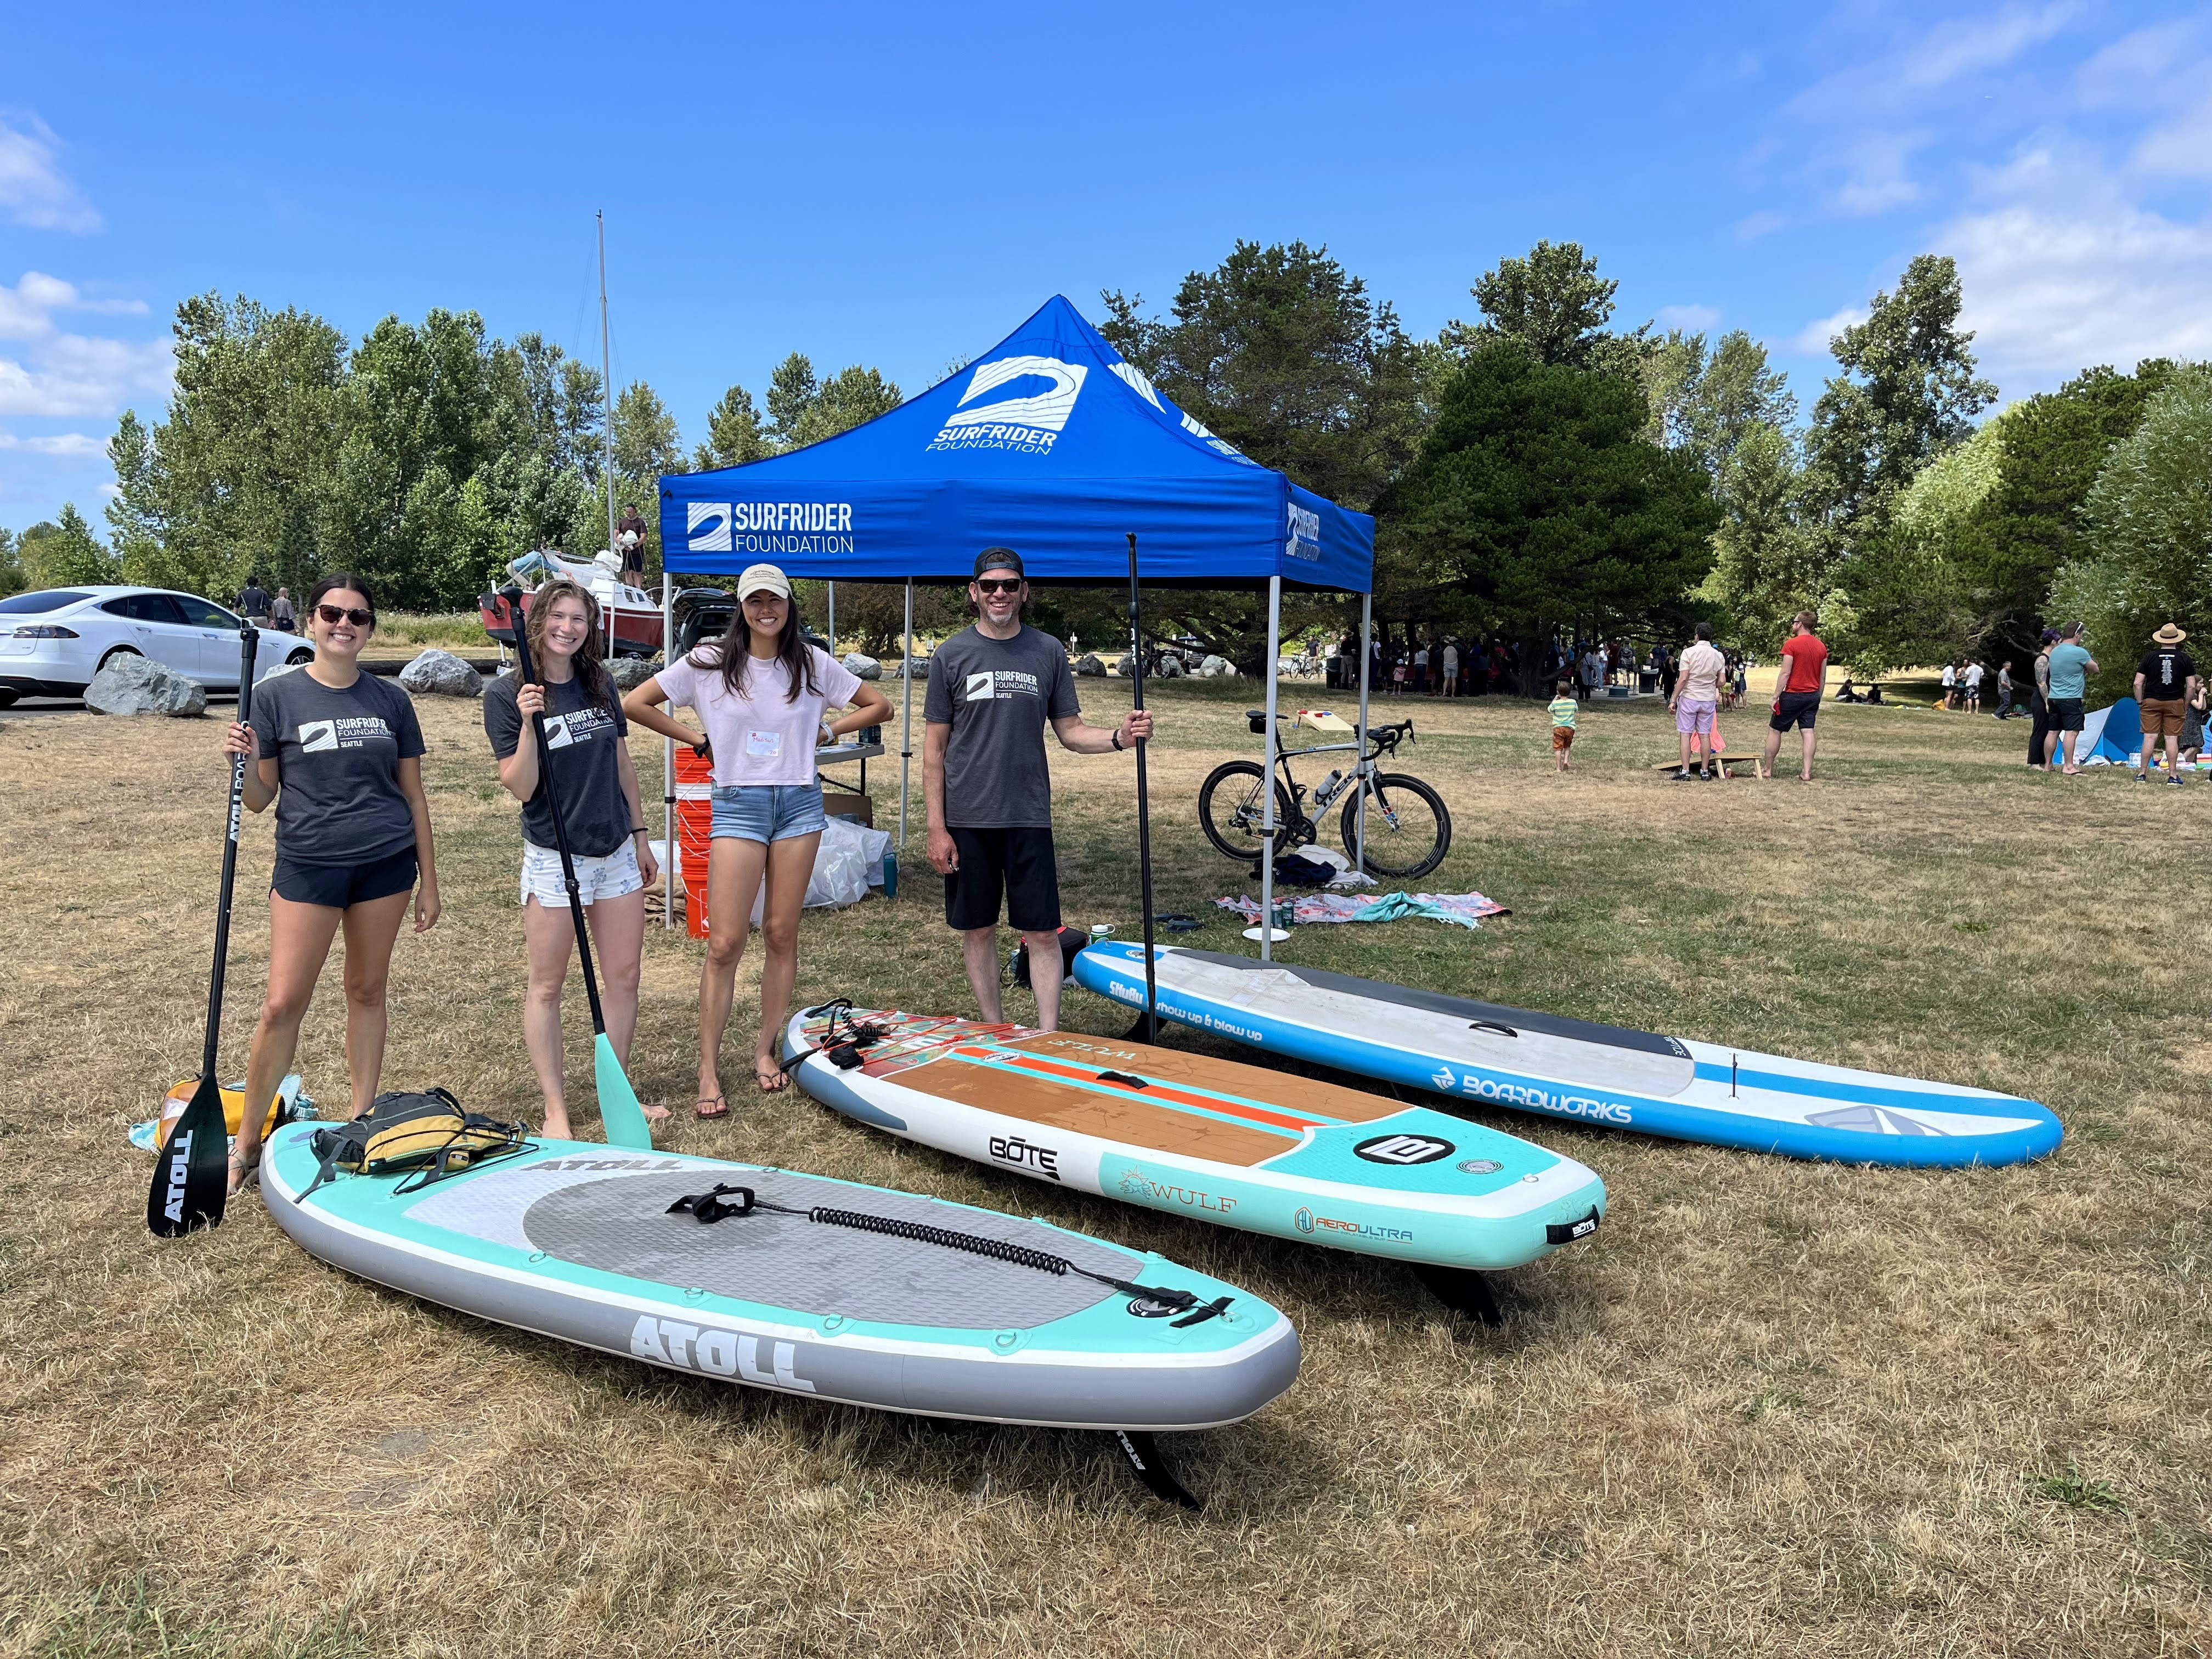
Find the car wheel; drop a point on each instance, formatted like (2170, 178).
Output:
(120, 651)
(303, 654)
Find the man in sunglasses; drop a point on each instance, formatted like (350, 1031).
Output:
(992, 688)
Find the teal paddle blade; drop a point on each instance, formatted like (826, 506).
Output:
(619, 1111)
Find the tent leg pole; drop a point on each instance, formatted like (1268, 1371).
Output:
(1359, 768)
(833, 619)
(672, 856)
(906, 724)
(1267, 779)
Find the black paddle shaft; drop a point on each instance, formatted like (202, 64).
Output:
(248, 639)
(1144, 797)
(512, 595)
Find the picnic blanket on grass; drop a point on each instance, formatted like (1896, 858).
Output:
(1458, 910)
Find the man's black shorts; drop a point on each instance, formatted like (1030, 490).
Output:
(2066, 715)
(1796, 708)
(1016, 862)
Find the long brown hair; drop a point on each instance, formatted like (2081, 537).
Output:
(732, 652)
(591, 667)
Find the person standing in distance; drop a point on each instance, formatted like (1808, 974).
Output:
(992, 688)
(253, 602)
(2166, 680)
(1798, 684)
(2071, 665)
(2041, 734)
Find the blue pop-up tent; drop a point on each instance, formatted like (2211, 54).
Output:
(1050, 443)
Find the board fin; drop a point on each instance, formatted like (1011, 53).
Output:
(1463, 1291)
(1143, 1453)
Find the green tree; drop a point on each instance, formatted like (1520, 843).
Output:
(1907, 392)
(2032, 521)
(734, 434)
(791, 389)
(1538, 494)
(66, 553)
(849, 399)
(1764, 570)
(2148, 553)
(1554, 306)
(1707, 402)
(1282, 354)
(11, 565)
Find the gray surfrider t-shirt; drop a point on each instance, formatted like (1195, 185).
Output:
(338, 756)
(996, 695)
(585, 740)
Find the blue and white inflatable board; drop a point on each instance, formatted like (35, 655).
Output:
(1574, 1068)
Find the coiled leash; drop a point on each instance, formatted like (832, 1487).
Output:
(844, 1053)
(710, 1207)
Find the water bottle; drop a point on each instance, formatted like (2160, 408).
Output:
(1326, 792)
(890, 875)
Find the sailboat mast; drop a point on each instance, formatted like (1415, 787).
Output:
(607, 382)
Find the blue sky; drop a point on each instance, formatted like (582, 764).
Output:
(900, 186)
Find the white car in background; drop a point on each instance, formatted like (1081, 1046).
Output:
(54, 641)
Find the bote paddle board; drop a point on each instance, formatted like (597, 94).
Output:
(1199, 1136)
(577, 1241)
(1573, 1068)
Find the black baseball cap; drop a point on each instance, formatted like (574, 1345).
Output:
(1000, 558)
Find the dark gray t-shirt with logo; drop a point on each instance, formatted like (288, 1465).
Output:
(996, 695)
(338, 756)
(584, 738)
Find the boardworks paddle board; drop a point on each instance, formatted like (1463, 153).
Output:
(1198, 1136)
(1573, 1068)
(577, 1241)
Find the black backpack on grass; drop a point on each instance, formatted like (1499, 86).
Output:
(429, 1133)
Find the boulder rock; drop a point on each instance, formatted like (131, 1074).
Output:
(1089, 666)
(1171, 666)
(918, 667)
(1216, 668)
(629, 672)
(1126, 665)
(862, 668)
(138, 685)
(442, 674)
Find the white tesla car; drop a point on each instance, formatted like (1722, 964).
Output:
(54, 640)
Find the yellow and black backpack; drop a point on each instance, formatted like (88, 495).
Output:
(429, 1133)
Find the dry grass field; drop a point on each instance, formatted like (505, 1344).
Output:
(1772, 1408)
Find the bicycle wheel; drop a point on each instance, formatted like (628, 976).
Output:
(1229, 809)
(1408, 831)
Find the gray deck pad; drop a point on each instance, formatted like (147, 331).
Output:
(617, 1223)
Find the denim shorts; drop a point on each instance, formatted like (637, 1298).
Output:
(768, 812)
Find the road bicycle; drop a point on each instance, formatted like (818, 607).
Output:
(1408, 831)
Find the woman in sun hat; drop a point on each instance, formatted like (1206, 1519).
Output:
(340, 753)
(760, 691)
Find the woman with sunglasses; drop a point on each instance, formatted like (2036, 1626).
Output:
(760, 691)
(341, 754)
(587, 739)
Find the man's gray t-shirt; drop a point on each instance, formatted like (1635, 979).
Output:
(338, 756)
(584, 738)
(996, 695)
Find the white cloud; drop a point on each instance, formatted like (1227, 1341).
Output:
(59, 443)
(1691, 319)
(1812, 340)
(34, 190)
(66, 375)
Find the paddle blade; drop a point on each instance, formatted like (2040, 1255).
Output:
(620, 1114)
(192, 1175)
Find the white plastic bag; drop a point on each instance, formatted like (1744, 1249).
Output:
(850, 859)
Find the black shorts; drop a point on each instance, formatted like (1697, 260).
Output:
(341, 886)
(1796, 708)
(2066, 713)
(1017, 863)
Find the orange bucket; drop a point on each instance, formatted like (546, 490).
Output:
(695, 826)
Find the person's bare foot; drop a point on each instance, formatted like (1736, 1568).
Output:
(768, 1075)
(557, 1124)
(712, 1106)
(654, 1112)
(244, 1173)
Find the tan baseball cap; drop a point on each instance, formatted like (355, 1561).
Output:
(763, 579)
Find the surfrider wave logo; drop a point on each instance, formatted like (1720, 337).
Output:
(1027, 421)
(999, 684)
(318, 734)
(349, 733)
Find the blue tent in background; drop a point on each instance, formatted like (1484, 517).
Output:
(1050, 443)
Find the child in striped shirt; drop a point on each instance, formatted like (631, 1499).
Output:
(1563, 721)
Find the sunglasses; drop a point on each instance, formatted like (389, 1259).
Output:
(1013, 587)
(334, 614)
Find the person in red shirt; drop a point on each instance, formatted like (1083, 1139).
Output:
(1798, 691)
